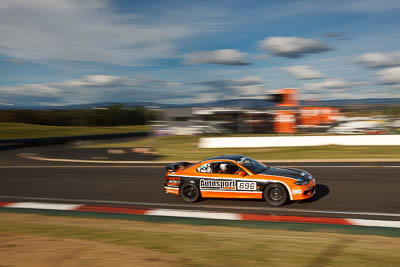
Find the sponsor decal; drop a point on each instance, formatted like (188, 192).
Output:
(297, 191)
(217, 184)
(247, 186)
(205, 168)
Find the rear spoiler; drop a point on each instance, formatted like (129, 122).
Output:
(177, 165)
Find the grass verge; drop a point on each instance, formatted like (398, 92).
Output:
(176, 148)
(22, 130)
(197, 245)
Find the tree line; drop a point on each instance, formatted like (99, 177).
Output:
(116, 115)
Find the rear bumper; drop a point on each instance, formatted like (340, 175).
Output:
(171, 190)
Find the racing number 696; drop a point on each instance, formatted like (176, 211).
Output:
(247, 185)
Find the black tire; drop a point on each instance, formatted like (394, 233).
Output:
(189, 192)
(275, 194)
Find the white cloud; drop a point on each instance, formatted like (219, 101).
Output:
(249, 80)
(222, 56)
(94, 80)
(259, 56)
(303, 72)
(249, 86)
(204, 98)
(390, 76)
(30, 90)
(379, 59)
(366, 6)
(292, 47)
(331, 84)
(110, 88)
(82, 31)
(94, 88)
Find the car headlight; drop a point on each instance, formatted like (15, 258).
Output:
(302, 182)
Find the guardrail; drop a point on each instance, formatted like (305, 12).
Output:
(296, 141)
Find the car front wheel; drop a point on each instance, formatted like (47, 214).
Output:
(189, 192)
(275, 194)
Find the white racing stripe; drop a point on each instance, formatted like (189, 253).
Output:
(241, 179)
(377, 223)
(230, 191)
(43, 206)
(194, 214)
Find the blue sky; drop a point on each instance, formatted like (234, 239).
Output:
(71, 52)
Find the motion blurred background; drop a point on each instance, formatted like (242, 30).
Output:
(195, 68)
(88, 86)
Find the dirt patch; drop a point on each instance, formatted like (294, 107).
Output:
(29, 250)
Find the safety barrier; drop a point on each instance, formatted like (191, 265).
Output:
(293, 141)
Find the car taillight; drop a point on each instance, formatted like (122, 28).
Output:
(172, 181)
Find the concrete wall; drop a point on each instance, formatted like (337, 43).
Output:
(291, 141)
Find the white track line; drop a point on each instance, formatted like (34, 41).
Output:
(79, 160)
(194, 214)
(377, 223)
(32, 156)
(206, 206)
(43, 206)
(77, 166)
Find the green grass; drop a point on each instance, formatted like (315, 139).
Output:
(186, 148)
(196, 245)
(22, 130)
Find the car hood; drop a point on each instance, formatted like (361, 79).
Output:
(288, 172)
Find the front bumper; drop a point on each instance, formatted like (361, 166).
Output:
(305, 192)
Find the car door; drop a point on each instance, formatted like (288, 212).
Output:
(228, 185)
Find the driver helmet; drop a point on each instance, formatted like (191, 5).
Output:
(223, 166)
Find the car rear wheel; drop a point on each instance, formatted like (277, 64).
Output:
(275, 194)
(189, 192)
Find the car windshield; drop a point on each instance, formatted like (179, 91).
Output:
(253, 165)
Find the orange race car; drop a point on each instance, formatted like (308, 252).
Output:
(237, 176)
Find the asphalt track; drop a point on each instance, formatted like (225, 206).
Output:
(370, 192)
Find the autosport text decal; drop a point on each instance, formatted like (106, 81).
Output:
(227, 185)
(217, 184)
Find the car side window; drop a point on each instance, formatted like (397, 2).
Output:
(226, 168)
(205, 168)
(234, 169)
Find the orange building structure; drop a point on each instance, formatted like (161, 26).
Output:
(316, 116)
(289, 97)
(289, 114)
(285, 121)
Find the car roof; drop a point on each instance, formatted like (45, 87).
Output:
(236, 158)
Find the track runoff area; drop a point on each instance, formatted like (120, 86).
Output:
(195, 214)
(364, 195)
(138, 191)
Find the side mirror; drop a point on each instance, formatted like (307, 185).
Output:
(242, 173)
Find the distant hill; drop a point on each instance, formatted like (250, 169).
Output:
(364, 101)
(243, 103)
